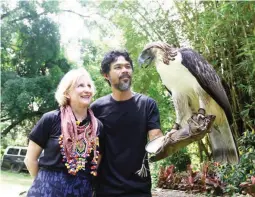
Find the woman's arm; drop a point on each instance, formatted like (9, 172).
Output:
(31, 159)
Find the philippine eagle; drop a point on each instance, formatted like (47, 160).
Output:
(194, 85)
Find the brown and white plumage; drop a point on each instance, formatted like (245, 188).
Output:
(194, 84)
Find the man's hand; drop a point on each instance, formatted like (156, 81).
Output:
(154, 133)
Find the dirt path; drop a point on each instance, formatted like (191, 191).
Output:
(177, 193)
(172, 193)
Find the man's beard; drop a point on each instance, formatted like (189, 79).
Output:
(122, 85)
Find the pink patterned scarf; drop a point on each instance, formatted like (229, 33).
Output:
(69, 129)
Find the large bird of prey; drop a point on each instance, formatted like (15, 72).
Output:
(194, 85)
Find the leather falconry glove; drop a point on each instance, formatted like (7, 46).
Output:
(198, 126)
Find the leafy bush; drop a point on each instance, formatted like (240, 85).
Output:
(179, 159)
(213, 178)
(236, 174)
(204, 181)
(249, 186)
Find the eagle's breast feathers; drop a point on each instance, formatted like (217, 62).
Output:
(182, 83)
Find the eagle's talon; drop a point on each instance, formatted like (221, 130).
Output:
(201, 111)
(200, 116)
(176, 126)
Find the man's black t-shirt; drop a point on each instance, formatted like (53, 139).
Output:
(126, 126)
(46, 134)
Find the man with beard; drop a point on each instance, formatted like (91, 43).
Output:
(129, 118)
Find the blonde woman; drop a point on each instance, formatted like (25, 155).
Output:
(69, 140)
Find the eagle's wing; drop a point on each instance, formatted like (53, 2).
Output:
(207, 78)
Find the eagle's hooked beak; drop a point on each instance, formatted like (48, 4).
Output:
(145, 58)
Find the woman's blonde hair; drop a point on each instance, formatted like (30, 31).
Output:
(68, 82)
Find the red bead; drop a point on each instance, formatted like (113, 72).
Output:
(93, 167)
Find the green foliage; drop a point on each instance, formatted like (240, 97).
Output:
(28, 41)
(92, 57)
(31, 62)
(180, 160)
(236, 174)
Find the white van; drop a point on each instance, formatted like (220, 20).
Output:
(13, 158)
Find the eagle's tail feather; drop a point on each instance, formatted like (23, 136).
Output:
(224, 148)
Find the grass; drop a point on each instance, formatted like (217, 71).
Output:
(12, 184)
(19, 178)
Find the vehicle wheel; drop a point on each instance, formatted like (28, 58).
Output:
(16, 168)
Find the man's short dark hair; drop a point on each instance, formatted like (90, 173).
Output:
(111, 57)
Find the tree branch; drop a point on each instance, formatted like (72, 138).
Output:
(170, 26)
(9, 13)
(28, 16)
(5, 119)
(146, 20)
(142, 27)
(7, 129)
(15, 123)
(73, 12)
(46, 12)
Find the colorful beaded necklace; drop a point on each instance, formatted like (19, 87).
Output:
(86, 148)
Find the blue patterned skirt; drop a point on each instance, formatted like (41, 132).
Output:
(60, 184)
